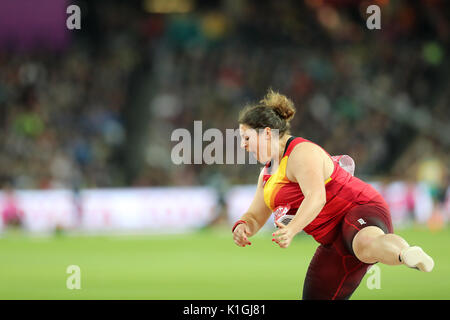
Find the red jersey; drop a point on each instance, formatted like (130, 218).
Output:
(343, 192)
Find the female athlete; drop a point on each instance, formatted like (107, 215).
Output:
(301, 181)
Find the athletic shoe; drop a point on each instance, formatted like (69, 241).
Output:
(415, 257)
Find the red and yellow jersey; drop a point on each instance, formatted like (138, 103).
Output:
(343, 192)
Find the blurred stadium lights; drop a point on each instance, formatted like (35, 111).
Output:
(168, 6)
(214, 25)
(328, 17)
(433, 53)
(341, 3)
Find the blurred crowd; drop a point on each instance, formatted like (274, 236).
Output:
(60, 123)
(380, 96)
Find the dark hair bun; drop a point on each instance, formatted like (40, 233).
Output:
(282, 106)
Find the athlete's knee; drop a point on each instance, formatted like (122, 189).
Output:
(364, 243)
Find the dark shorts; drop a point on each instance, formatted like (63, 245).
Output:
(335, 272)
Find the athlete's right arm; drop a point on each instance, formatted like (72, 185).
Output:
(255, 217)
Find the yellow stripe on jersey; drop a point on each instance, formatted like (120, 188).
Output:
(274, 184)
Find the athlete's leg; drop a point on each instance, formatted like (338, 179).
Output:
(368, 233)
(333, 274)
(372, 245)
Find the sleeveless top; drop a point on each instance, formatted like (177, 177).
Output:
(343, 192)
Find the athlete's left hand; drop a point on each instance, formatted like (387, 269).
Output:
(283, 236)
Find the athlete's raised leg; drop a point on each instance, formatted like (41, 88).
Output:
(369, 234)
(372, 245)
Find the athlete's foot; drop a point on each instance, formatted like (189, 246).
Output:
(415, 257)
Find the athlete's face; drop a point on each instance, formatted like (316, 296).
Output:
(256, 142)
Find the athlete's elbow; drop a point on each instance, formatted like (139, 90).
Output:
(322, 201)
(319, 199)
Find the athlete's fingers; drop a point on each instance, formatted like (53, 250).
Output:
(244, 238)
(238, 234)
(279, 233)
(241, 240)
(242, 231)
(239, 244)
(237, 240)
(276, 241)
(283, 243)
(280, 225)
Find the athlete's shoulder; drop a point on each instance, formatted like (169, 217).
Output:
(300, 145)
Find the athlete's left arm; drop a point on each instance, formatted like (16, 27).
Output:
(306, 165)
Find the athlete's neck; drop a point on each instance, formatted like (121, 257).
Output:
(282, 145)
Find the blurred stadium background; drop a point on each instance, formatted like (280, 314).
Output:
(86, 118)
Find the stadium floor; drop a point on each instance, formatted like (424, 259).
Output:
(202, 265)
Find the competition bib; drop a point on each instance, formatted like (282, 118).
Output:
(280, 215)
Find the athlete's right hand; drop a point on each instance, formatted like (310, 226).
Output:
(240, 235)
